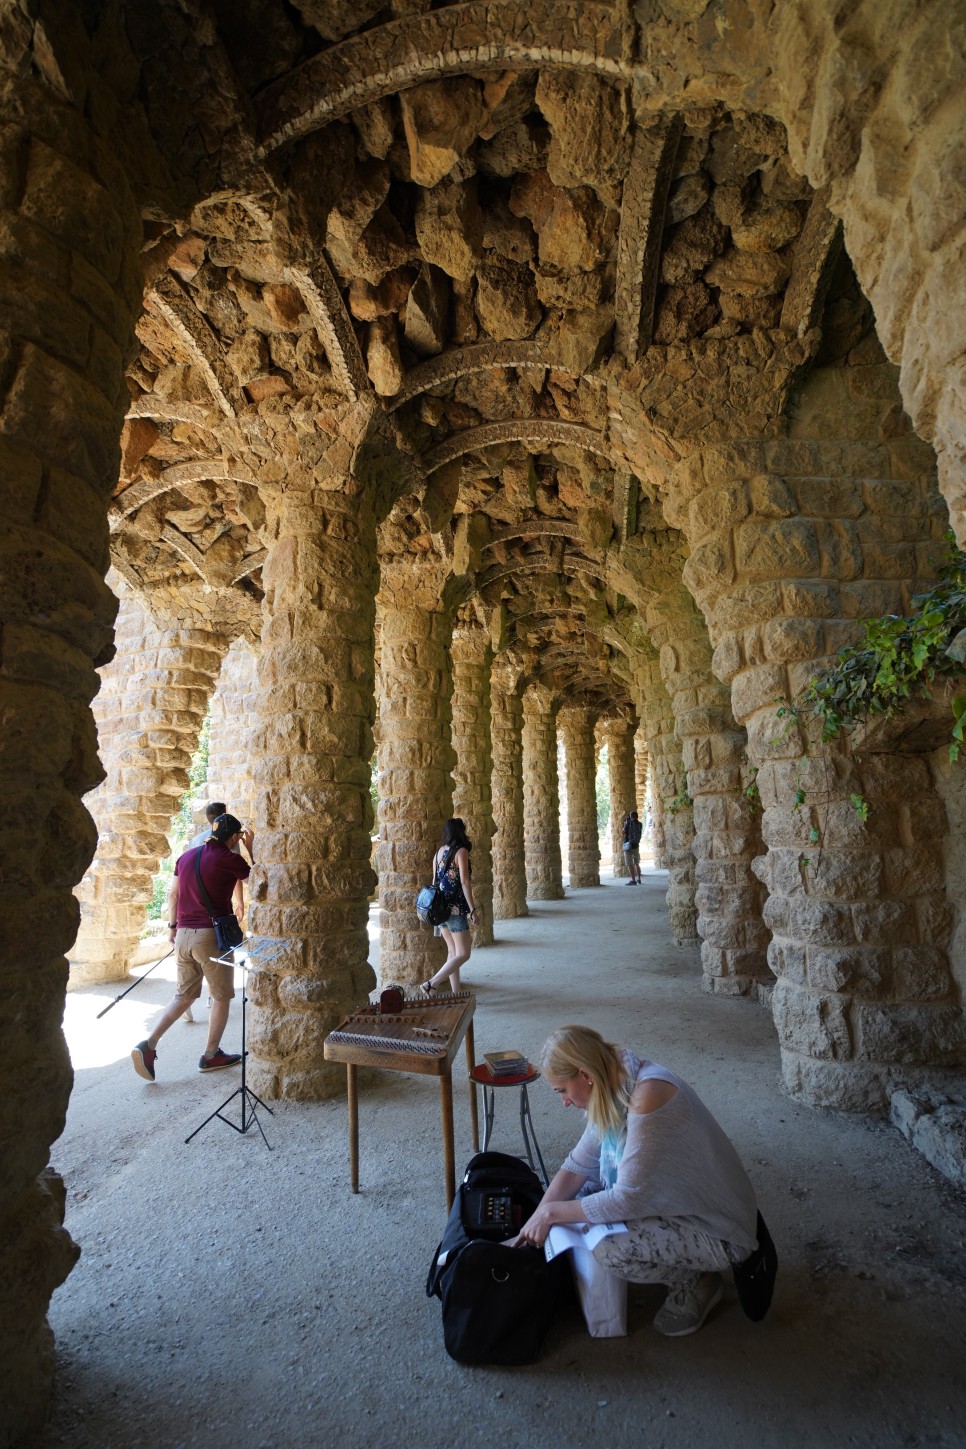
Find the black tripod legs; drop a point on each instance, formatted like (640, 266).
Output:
(249, 1114)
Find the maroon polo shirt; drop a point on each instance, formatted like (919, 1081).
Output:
(220, 869)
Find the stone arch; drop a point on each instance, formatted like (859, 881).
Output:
(458, 38)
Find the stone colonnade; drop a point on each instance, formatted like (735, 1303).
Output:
(472, 659)
(727, 838)
(617, 733)
(313, 812)
(234, 716)
(509, 859)
(673, 813)
(149, 714)
(416, 762)
(541, 822)
(786, 554)
(70, 239)
(577, 727)
(640, 772)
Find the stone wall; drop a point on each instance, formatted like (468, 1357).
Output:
(149, 711)
(577, 729)
(472, 661)
(786, 554)
(541, 809)
(234, 717)
(509, 861)
(69, 248)
(416, 759)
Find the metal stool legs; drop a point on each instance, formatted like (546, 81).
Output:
(489, 1098)
(526, 1122)
(530, 1144)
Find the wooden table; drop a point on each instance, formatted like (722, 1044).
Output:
(423, 1038)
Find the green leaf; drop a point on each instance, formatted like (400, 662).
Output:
(860, 805)
(814, 835)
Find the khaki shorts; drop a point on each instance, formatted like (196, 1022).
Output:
(632, 855)
(195, 945)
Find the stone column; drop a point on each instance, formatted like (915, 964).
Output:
(149, 713)
(312, 879)
(235, 707)
(577, 727)
(541, 804)
(673, 812)
(509, 869)
(416, 761)
(729, 897)
(70, 236)
(790, 542)
(618, 735)
(472, 660)
(640, 770)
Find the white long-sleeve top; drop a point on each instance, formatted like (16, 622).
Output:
(673, 1163)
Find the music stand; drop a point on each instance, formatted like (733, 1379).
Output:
(256, 952)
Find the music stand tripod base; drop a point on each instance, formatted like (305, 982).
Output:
(258, 949)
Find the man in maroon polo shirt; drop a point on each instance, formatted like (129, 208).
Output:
(222, 870)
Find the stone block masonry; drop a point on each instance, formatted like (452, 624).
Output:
(509, 868)
(472, 659)
(313, 814)
(70, 236)
(541, 805)
(149, 713)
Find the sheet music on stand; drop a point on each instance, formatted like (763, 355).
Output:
(253, 953)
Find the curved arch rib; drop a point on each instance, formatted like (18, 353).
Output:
(170, 300)
(516, 430)
(202, 471)
(328, 312)
(462, 361)
(582, 35)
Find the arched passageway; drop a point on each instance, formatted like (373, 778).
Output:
(863, 1341)
(461, 378)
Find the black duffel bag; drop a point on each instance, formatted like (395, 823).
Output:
(498, 1302)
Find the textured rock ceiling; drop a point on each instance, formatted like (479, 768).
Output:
(491, 261)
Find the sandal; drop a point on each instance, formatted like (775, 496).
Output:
(428, 989)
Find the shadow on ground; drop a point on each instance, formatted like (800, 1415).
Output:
(231, 1296)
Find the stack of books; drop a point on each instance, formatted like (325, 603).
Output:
(506, 1064)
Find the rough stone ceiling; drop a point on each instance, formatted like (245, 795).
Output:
(492, 259)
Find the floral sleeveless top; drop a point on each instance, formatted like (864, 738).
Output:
(450, 884)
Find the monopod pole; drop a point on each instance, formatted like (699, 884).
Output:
(122, 994)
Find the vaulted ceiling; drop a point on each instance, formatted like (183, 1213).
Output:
(489, 261)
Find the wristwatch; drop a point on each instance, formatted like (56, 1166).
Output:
(172, 925)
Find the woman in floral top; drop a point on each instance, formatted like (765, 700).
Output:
(451, 872)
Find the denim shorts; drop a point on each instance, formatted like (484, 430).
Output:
(454, 924)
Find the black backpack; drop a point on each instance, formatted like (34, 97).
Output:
(498, 1302)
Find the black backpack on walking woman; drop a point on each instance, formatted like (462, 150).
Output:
(498, 1302)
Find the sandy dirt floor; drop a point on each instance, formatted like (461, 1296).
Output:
(228, 1295)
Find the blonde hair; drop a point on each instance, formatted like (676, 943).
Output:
(573, 1049)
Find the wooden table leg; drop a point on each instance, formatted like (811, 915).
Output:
(474, 1095)
(449, 1153)
(352, 1092)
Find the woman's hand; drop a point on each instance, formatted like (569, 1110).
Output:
(534, 1232)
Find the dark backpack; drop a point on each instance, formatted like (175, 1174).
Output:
(498, 1302)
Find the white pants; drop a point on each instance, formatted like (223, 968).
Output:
(655, 1250)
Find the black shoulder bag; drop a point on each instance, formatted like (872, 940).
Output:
(432, 905)
(228, 932)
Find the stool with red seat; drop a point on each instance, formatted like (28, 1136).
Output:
(486, 1079)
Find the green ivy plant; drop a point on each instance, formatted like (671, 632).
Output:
(681, 801)
(898, 660)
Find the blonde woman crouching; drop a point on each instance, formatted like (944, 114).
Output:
(652, 1156)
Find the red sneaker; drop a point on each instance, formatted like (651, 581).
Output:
(144, 1058)
(219, 1061)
